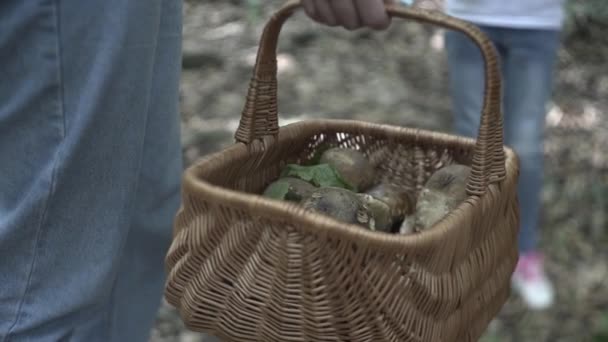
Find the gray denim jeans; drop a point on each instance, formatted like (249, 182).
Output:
(90, 165)
(527, 58)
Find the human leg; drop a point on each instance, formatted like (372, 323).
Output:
(528, 72)
(528, 75)
(466, 80)
(140, 283)
(75, 101)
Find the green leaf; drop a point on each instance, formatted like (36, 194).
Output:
(277, 190)
(601, 337)
(602, 334)
(321, 175)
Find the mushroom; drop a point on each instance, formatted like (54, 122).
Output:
(352, 165)
(379, 210)
(442, 193)
(397, 199)
(341, 204)
(289, 188)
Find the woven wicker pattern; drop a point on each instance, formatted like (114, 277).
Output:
(247, 268)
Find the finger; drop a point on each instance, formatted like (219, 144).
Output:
(346, 14)
(309, 8)
(373, 13)
(325, 13)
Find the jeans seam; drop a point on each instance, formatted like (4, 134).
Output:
(109, 320)
(61, 98)
(51, 188)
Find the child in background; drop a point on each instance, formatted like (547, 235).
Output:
(526, 36)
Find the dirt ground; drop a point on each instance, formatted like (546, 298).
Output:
(399, 77)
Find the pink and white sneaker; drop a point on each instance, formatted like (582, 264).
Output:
(531, 282)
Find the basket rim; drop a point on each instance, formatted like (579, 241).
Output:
(194, 185)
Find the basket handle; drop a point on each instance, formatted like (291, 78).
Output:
(260, 116)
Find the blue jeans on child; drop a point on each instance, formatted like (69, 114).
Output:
(90, 165)
(527, 59)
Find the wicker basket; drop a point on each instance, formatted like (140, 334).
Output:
(247, 268)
